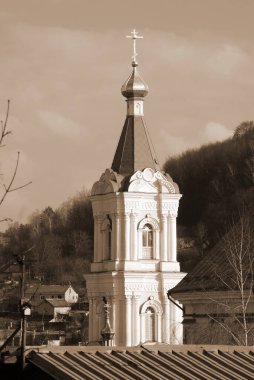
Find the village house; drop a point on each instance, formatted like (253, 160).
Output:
(54, 308)
(51, 299)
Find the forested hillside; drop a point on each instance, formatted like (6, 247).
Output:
(216, 182)
(59, 243)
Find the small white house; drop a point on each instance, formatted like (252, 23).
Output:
(53, 308)
(37, 294)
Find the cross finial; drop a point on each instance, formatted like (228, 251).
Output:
(134, 36)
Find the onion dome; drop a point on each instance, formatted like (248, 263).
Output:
(134, 87)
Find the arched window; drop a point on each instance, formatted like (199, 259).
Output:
(147, 241)
(150, 321)
(150, 324)
(148, 238)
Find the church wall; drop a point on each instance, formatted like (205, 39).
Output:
(131, 283)
(127, 293)
(206, 312)
(126, 211)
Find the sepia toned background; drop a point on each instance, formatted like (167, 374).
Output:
(63, 63)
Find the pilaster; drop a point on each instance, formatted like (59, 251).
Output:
(164, 237)
(113, 237)
(134, 237)
(126, 237)
(136, 320)
(128, 323)
(114, 326)
(172, 248)
(166, 319)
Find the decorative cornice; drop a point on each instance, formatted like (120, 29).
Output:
(141, 287)
(109, 182)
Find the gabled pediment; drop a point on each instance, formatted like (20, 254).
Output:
(149, 181)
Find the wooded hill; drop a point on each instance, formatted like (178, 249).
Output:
(59, 243)
(217, 184)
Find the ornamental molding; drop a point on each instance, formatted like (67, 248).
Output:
(136, 287)
(109, 182)
(152, 205)
(145, 181)
(149, 181)
(156, 305)
(148, 220)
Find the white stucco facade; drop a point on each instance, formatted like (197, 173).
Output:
(135, 208)
(135, 259)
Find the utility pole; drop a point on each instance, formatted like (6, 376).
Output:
(25, 309)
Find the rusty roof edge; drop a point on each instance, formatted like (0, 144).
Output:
(184, 348)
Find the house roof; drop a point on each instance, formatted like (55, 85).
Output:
(57, 303)
(146, 362)
(217, 271)
(47, 289)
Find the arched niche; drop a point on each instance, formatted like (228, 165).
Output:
(106, 230)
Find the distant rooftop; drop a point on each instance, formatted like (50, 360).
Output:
(58, 303)
(45, 289)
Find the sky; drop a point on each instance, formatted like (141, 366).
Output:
(63, 64)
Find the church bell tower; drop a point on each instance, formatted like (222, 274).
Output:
(135, 208)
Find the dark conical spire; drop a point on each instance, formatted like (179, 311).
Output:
(134, 151)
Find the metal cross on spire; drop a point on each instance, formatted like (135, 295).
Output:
(134, 37)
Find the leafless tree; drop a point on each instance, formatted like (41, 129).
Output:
(233, 272)
(10, 185)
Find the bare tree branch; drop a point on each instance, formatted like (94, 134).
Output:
(8, 188)
(4, 132)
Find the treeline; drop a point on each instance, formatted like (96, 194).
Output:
(216, 182)
(59, 243)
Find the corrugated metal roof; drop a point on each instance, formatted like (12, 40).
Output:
(150, 362)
